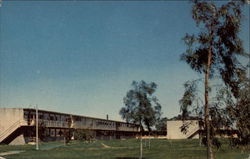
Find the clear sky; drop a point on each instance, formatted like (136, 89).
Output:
(81, 57)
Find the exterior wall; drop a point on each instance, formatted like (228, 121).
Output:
(56, 124)
(174, 130)
(79, 122)
(18, 140)
(10, 117)
(61, 120)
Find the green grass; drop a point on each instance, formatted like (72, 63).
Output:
(160, 149)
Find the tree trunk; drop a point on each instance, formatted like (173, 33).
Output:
(210, 154)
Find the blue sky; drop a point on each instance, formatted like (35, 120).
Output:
(81, 57)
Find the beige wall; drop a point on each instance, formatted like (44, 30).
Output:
(10, 117)
(174, 131)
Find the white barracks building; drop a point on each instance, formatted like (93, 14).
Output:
(17, 125)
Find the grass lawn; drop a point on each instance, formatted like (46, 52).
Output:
(119, 149)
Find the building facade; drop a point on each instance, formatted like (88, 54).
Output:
(194, 130)
(174, 129)
(17, 125)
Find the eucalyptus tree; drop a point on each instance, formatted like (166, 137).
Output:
(141, 106)
(214, 50)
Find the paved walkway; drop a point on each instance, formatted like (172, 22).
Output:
(42, 147)
(248, 157)
(9, 153)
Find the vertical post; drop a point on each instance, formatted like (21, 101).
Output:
(64, 139)
(37, 147)
(141, 147)
(149, 142)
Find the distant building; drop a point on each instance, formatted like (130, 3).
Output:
(174, 129)
(17, 125)
(194, 130)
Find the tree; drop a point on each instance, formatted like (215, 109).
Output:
(214, 50)
(192, 105)
(68, 132)
(161, 124)
(84, 134)
(42, 130)
(239, 111)
(226, 111)
(190, 98)
(141, 106)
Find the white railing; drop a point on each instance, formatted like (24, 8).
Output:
(52, 123)
(121, 128)
(81, 125)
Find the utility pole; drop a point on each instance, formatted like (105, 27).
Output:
(37, 146)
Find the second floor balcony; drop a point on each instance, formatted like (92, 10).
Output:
(50, 123)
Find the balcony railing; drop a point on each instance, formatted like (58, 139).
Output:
(80, 125)
(50, 123)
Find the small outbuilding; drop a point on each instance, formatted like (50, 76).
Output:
(179, 129)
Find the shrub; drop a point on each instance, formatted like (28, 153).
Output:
(83, 134)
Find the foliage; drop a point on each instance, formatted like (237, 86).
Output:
(41, 130)
(191, 98)
(241, 113)
(233, 113)
(213, 52)
(226, 111)
(68, 135)
(161, 124)
(216, 143)
(238, 112)
(141, 106)
(83, 134)
(219, 32)
(68, 132)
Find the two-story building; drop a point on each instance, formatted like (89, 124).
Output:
(17, 125)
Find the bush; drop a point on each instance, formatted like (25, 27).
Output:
(215, 142)
(68, 135)
(83, 134)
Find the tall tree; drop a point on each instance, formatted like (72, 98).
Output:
(213, 51)
(141, 106)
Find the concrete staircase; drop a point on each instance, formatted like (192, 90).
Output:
(6, 134)
(192, 132)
